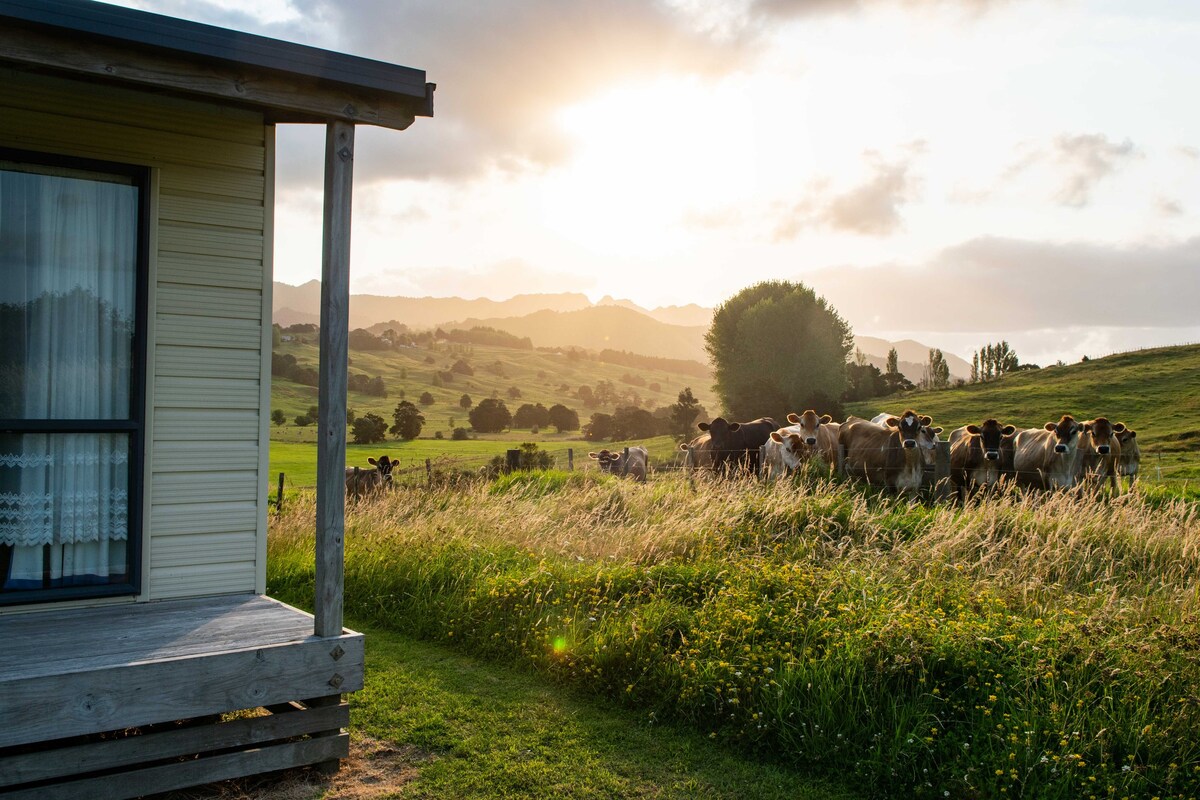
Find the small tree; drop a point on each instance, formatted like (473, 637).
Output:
(459, 435)
(278, 417)
(684, 412)
(531, 416)
(303, 421)
(426, 399)
(408, 421)
(369, 429)
(562, 418)
(462, 368)
(600, 428)
(514, 393)
(465, 402)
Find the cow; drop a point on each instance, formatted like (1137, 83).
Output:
(632, 462)
(887, 454)
(927, 441)
(699, 452)
(1100, 452)
(772, 463)
(369, 481)
(976, 454)
(807, 436)
(735, 445)
(1047, 457)
(1131, 455)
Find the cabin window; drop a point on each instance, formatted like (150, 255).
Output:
(72, 320)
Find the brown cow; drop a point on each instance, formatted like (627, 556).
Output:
(1100, 452)
(975, 454)
(699, 452)
(1131, 455)
(632, 463)
(1047, 457)
(819, 434)
(369, 481)
(889, 454)
(735, 445)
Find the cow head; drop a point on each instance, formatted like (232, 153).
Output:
(990, 434)
(809, 423)
(384, 467)
(719, 429)
(1066, 433)
(608, 460)
(795, 449)
(1102, 436)
(909, 425)
(1126, 436)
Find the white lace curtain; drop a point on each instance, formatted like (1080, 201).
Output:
(68, 255)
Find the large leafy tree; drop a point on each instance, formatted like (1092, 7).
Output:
(408, 421)
(490, 416)
(776, 347)
(563, 418)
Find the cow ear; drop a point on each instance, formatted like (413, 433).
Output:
(826, 419)
(733, 426)
(926, 419)
(938, 429)
(1087, 426)
(1119, 427)
(683, 446)
(973, 429)
(593, 455)
(1007, 430)
(794, 418)
(702, 426)
(1132, 433)
(372, 462)
(776, 437)
(892, 422)
(1050, 426)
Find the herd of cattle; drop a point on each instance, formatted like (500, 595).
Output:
(897, 452)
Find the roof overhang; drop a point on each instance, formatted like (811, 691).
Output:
(288, 82)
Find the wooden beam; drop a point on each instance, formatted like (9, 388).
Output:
(331, 391)
(284, 97)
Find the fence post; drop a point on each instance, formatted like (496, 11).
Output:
(625, 463)
(428, 472)
(570, 459)
(512, 460)
(942, 487)
(279, 495)
(689, 465)
(841, 459)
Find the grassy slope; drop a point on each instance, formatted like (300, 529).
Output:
(520, 368)
(1156, 392)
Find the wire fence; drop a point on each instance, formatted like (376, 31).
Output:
(441, 470)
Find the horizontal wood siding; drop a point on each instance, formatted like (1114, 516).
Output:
(206, 360)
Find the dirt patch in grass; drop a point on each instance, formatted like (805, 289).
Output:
(374, 769)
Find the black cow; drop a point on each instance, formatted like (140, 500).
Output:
(735, 444)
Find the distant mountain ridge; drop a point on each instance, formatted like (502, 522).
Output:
(569, 319)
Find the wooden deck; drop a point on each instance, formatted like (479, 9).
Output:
(74, 682)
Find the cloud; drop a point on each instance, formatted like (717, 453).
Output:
(1088, 159)
(1168, 207)
(869, 209)
(497, 281)
(1189, 152)
(999, 284)
(798, 8)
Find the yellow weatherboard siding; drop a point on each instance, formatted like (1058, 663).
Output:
(204, 523)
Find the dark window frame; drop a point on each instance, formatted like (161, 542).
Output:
(135, 424)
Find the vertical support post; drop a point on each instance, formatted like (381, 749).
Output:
(428, 472)
(331, 388)
(625, 462)
(512, 460)
(942, 487)
(570, 459)
(841, 459)
(279, 495)
(689, 463)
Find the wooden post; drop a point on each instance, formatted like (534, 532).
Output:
(512, 460)
(625, 462)
(689, 462)
(331, 388)
(942, 486)
(279, 495)
(841, 459)
(570, 459)
(428, 472)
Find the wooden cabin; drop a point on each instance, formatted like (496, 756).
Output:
(137, 159)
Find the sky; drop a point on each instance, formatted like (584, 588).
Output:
(954, 171)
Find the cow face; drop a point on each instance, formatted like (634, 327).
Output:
(384, 467)
(908, 425)
(991, 434)
(607, 460)
(719, 429)
(1102, 436)
(928, 440)
(1066, 433)
(795, 448)
(809, 424)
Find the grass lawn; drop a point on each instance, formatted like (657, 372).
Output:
(489, 731)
